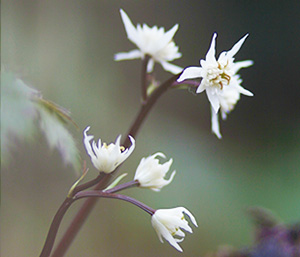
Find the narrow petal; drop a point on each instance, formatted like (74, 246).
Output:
(190, 73)
(129, 27)
(244, 91)
(242, 64)
(162, 231)
(169, 35)
(191, 216)
(215, 127)
(210, 56)
(134, 54)
(86, 141)
(201, 87)
(213, 99)
(236, 47)
(171, 67)
(150, 65)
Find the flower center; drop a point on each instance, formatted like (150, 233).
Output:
(218, 76)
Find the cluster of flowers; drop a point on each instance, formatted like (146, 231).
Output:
(223, 88)
(219, 76)
(149, 174)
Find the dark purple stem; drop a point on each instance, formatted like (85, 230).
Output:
(126, 198)
(144, 78)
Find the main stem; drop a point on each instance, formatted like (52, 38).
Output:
(89, 203)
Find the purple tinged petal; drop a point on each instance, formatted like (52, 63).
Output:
(236, 47)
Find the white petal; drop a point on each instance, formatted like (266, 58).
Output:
(171, 67)
(129, 27)
(243, 90)
(86, 141)
(215, 127)
(190, 73)
(191, 216)
(210, 56)
(162, 231)
(134, 54)
(201, 87)
(236, 47)
(213, 99)
(150, 65)
(242, 64)
(169, 35)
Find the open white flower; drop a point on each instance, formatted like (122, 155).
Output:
(154, 42)
(168, 222)
(106, 158)
(150, 173)
(218, 74)
(228, 99)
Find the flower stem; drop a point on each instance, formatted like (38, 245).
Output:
(146, 107)
(88, 205)
(95, 193)
(123, 186)
(144, 78)
(54, 227)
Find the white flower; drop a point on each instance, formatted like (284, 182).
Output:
(168, 222)
(151, 174)
(218, 74)
(106, 158)
(154, 42)
(228, 98)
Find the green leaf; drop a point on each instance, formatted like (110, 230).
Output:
(24, 111)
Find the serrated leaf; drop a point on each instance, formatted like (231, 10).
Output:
(18, 113)
(58, 136)
(22, 109)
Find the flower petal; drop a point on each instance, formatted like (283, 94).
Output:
(162, 231)
(129, 27)
(236, 47)
(242, 64)
(190, 73)
(134, 54)
(210, 56)
(213, 99)
(215, 127)
(167, 38)
(171, 67)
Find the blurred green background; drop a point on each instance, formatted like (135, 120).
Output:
(65, 49)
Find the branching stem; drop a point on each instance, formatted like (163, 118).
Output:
(103, 179)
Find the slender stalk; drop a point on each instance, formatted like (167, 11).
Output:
(54, 227)
(120, 187)
(126, 198)
(88, 205)
(88, 184)
(144, 78)
(136, 125)
(78, 221)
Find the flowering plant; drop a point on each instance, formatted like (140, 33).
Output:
(220, 80)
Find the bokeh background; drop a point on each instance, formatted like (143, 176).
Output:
(65, 49)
